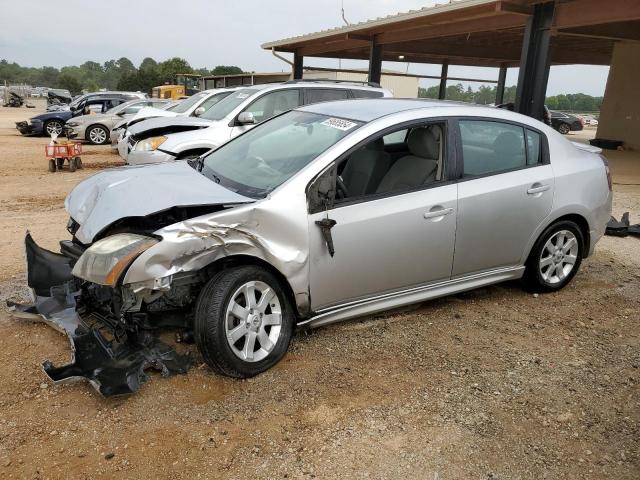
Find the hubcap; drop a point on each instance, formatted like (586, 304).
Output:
(97, 135)
(54, 128)
(252, 321)
(558, 257)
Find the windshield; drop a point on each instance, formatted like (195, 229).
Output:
(186, 104)
(267, 155)
(226, 106)
(77, 101)
(121, 107)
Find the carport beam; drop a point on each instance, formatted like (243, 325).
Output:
(375, 62)
(442, 92)
(502, 78)
(297, 66)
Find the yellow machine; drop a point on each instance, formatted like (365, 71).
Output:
(173, 92)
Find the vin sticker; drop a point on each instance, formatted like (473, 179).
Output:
(339, 123)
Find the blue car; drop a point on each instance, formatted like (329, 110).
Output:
(50, 123)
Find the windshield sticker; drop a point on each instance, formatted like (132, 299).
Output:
(338, 123)
(242, 95)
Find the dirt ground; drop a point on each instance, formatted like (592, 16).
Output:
(491, 384)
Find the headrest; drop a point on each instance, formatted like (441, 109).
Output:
(423, 142)
(508, 143)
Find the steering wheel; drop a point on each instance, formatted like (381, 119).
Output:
(341, 188)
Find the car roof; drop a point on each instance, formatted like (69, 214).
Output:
(367, 110)
(311, 84)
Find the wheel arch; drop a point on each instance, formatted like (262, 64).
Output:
(249, 260)
(576, 218)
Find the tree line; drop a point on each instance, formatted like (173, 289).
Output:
(119, 74)
(572, 102)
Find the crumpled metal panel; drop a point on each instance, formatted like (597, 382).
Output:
(274, 231)
(623, 227)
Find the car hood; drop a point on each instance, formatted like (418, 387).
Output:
(138, 191)
(60, 114)
(150, 112)
(164, 125)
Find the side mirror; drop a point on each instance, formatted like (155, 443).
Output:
(246, 118)
(198, 111)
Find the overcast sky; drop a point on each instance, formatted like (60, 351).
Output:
(209, 33)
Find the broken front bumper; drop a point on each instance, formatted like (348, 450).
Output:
(109, 354)
(25, 128)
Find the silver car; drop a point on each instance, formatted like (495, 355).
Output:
(325, 213)
(96, 127)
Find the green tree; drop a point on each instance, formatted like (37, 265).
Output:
(170, 68)
(71, 83)
(226, 70)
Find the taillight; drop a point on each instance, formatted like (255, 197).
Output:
(606, 168)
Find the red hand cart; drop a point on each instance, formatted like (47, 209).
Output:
(60, 152)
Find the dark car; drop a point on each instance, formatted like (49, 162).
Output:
(565, 123)
(546, 115)
(50, 123)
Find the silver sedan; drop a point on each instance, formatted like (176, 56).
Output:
(330, 212)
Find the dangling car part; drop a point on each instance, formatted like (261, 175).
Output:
(110, 355)
(324, 213)
(623, 227)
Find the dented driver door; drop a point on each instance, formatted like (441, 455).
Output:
(382, 245)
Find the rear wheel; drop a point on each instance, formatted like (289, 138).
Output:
(555, 258)
(564, 129)
(98, 135)
(243, 321)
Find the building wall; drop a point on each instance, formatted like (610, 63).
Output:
(401, 87)
(620, 112)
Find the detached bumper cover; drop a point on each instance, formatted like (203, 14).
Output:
(623, 227)
(26, 128)
(104, 352)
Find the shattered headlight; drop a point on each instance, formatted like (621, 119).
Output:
(149, 144)
(105, 261)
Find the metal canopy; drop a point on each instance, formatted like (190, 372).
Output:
(477, 33)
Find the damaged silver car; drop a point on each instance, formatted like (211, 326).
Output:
(324, 213)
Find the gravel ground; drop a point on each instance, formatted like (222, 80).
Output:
(495, 383)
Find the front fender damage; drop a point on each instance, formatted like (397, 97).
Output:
(109, 356)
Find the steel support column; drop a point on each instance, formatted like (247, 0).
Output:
(375, 62)
(442, 92)
(535, 61)
(502, 78)
(297, 66)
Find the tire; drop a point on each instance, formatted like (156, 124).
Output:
(214, 321)
(564, 129)
(59, 163)
(72, 164)
(78, 163)
(53, 126)
(52, 165)
(98, 135)
(549, 269)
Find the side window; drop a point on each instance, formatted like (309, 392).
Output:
(274, 103)
(367, 94)
(373, 170)
(317, 95)
(395, 138)
(491, 147)
(534, 156)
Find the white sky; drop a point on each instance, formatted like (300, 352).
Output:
(212, 32)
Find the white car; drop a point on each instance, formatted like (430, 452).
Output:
(164, 140)
(190, 107)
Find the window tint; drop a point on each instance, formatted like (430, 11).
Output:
(316, 95)
(367, 93)
(274, 103)
(491, 147)
(533, 148)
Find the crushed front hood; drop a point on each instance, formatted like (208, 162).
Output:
(164, 125)
(139, 191)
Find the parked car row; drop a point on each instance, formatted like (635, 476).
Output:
(296, 210)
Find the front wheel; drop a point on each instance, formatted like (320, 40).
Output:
(243, 321)
(564, 129)
(98, 135)
(53, 127)
(555, 257)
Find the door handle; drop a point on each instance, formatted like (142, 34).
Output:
(538, 189)
(440, 212)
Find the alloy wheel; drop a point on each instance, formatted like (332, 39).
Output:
(253, 321)
(97, 135)
(558, 257)
(54, 128)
